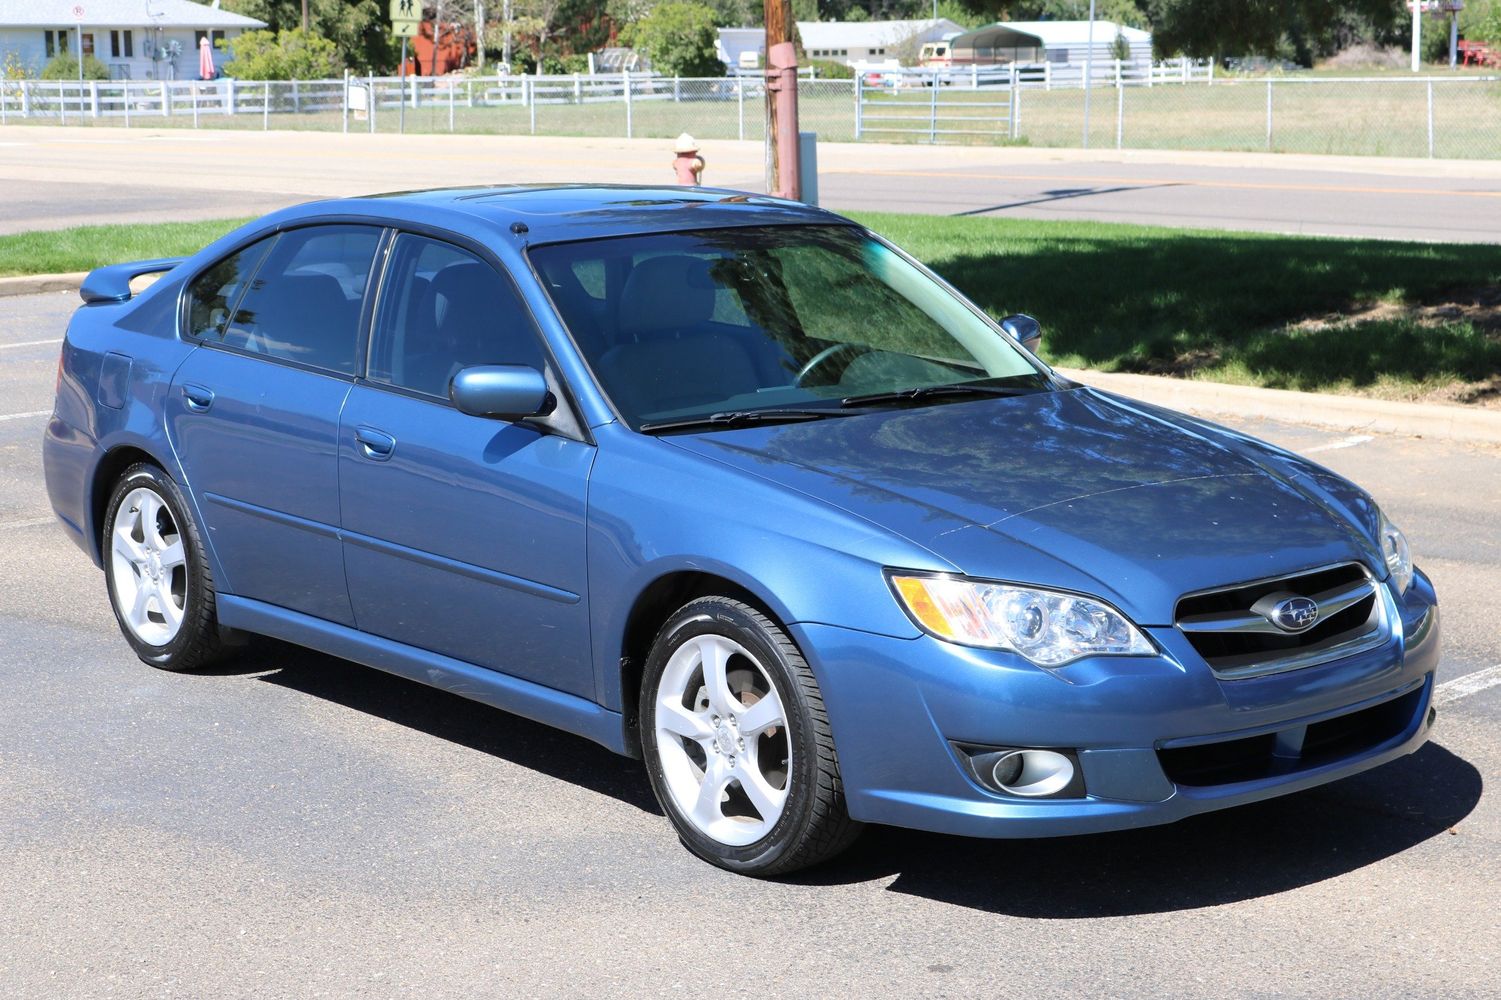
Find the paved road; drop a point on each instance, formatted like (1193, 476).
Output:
(60, 176)
(294, 825)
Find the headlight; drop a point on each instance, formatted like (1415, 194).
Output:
(1397, 553)
(1047, 627)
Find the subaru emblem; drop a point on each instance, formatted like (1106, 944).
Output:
(1294, 614)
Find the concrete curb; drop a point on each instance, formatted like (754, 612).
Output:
(1354, 413)
(31, 284)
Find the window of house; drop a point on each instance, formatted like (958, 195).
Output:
(88, 43)
(57, 42)
(214, 38)
(121, 44)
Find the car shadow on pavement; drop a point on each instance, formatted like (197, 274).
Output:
(448, 717)
(1207, 860)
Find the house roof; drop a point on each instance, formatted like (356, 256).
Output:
(867, 34)
(121, 13)
(1064, 34)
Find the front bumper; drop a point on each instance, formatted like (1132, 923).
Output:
(899, 707)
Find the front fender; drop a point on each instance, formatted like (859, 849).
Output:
(655, 510)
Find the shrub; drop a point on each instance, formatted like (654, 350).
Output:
(828, 69)
(283, 55)
(678, 37)
(65, 67)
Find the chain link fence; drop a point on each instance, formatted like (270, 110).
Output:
(1177, 106)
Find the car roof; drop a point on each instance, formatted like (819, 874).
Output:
(558, 212)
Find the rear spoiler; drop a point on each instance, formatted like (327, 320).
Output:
(112, 283)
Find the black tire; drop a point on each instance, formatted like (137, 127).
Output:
(197, 641)
(814, 825)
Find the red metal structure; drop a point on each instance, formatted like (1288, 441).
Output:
(456, 49)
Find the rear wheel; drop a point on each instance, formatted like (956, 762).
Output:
(737, 742)
(158, 578)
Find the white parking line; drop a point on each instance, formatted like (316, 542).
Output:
(1461, 687)
(25, 416)
(32, 343)
(1344, 442)
(32, 523)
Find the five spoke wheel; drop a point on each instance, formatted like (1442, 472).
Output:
(722, 735)
(150, 567)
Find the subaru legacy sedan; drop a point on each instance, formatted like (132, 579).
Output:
(733, 485)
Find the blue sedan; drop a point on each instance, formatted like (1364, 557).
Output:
(733, 485)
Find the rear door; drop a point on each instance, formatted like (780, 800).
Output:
(462, 535)
(254, 413)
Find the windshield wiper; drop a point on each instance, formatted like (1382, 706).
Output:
(923, 393)
(741, 418)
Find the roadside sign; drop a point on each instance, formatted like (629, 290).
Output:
(406, 10)
(78, 11)
(404, 29)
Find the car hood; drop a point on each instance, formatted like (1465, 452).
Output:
(1076, 489)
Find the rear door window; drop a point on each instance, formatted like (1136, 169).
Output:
(213, 294)
(304, 302)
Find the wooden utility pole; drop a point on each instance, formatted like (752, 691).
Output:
(304, 16)
(781, 102)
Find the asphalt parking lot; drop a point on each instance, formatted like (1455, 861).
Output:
(294, 825)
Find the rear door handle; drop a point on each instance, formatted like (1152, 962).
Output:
(199, 398)
(377, 445)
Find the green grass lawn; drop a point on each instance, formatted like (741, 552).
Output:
(1390, 319)
(83, 248)
(1226, 306)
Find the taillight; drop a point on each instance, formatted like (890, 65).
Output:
(57, 387)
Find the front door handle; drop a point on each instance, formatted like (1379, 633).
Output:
(376, 445)
(199, 398)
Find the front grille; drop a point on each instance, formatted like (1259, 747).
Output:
(1237, 640)
(1270, 754)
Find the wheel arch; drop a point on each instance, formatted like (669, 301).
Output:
(653, 605)
(107, 471)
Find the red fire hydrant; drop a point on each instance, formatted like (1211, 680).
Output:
(688, 164)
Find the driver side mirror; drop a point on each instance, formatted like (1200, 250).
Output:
(1024, 329)
(502, 392)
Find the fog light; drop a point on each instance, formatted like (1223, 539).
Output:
(1033, 773)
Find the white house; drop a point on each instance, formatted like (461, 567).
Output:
(134, 38)
(1059, 42)
(848, 42)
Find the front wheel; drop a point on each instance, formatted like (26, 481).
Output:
(737, 742)
(157, 574)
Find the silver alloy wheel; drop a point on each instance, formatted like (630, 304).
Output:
(722, 739)
(149, 567)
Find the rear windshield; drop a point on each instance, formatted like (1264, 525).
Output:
(682, 325)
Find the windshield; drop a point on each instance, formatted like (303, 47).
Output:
(679, 326)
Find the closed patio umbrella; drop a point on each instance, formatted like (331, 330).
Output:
(205, 60)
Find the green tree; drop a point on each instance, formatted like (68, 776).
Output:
(358, 28)
(960, 14)
(678, 37)
(1301, 29)
(1480, 21)
(64, 67)
(1127, 12)
(283, 55)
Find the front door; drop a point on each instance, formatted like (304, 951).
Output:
(462, 535)
(254, 412)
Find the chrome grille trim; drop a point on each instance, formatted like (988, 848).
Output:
(1244, 624)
